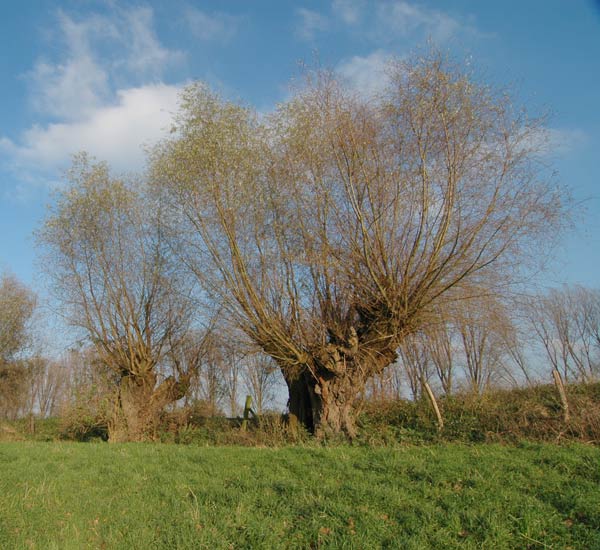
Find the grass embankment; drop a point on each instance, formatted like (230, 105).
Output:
(500, 416)
(508, 416)
(147, 496)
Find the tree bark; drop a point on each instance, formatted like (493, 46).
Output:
(336, 396)
(300, 403)
(324, 406)
(322, 396)
(138, 406)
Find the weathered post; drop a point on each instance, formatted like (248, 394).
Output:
(562, 393)
(247, 411)
(438, 414)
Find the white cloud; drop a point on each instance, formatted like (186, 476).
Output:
(102, 94)
(145, 54)
(310, 23)
(349, 11)
(97, 51)
(552, 141)
(70, 88)
(365, 74)
(116, 133)
(566, 140)
(406, 18)
(219, 27)
(387, 21)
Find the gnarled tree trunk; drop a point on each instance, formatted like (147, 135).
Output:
(324, 404)
(323, 396)
(335, 400)
(138, 405)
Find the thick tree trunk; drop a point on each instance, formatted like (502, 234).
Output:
(323, 397)
(300, 403)
(139, 404)
(325, 407)
(131, 420)
(336, 400)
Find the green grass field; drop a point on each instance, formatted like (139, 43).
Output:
(69, 495)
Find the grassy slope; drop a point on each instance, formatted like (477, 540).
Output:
(164, 496)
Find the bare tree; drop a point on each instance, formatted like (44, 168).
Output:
(208, 382)
(45, 382)
(481, 327)
(516, 342)
(189, 356)
(111, 271)
(260, 379)
(416, 363)
(330, 230)
(211, 382)
(89, 382)
(439, 340)
(566, 322)
(386, 385)
(232, 367)
(48, 385)
(13, 389)
(584, 304)
(473, 341)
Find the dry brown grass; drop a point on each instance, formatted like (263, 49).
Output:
(9, 433)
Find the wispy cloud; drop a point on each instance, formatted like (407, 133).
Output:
(102, 93)
(386, 24)
(77, 83)
(407, 18)
(97, 52)
(310, 23)
(216, 26)
(566, 140)
(365, 74)
(145, 55)
(386, 21)
(349, 11)
(553, 141)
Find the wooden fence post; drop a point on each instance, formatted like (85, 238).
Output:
(434, 404)
(558, 381)
(247, 411)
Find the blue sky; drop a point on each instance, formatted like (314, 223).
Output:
(104, 76)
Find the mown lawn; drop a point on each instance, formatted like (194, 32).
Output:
(68, 495)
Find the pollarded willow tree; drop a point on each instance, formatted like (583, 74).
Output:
(106, 255)
(330, 229)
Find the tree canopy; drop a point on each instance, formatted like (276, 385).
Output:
(114, 277)
(331, 229)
